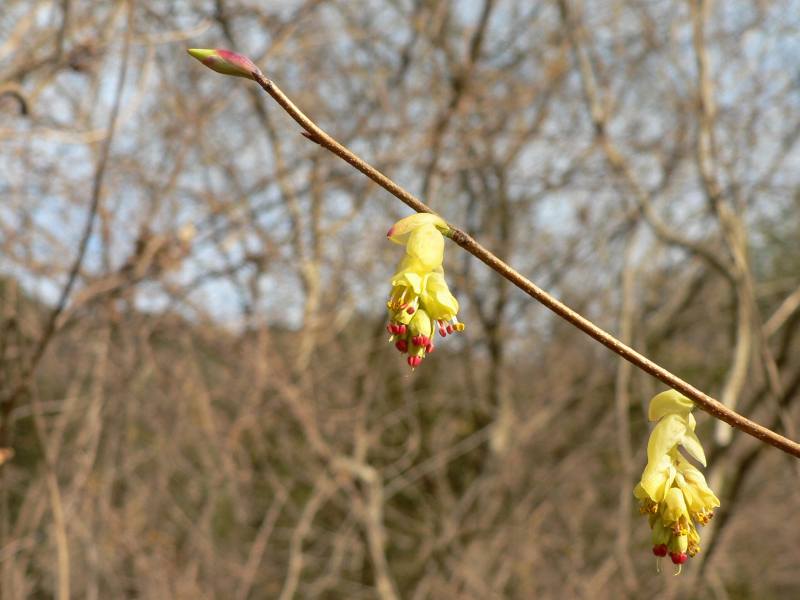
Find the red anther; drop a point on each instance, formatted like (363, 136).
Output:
(390, 328)
(401, 345)
(442, 332)
(678, 558)
(449, 329)
(660, 550)
(415, 340)
(410, 310)
(414, 361)
(424, 340)
(429, 347)
(401, 329)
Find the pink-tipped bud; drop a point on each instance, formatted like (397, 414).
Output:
(678, 558)
(226, 62)
(660, 550)
(414, 361)
(401, 345)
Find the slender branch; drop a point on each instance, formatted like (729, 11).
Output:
(8, 401)
(463, 239)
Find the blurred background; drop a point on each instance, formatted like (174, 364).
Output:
(197, 398)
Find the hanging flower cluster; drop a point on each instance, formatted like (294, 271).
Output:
(420, 302)
(672, 492)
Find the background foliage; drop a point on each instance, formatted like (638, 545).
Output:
(217, 414)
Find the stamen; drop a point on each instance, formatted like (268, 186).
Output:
(678, 558)
(660, 550)
(414, 361)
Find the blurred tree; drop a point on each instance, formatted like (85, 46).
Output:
(213, 410)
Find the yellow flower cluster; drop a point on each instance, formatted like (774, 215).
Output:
(673, 492)
(420, 302)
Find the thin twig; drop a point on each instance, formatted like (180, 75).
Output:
(622, 401)
(8, 402)
(463, 239)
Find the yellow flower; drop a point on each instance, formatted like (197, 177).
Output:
(657, 477)
(407, 285)
(674, 511)
(672, 491)
(675, 426)
(436, 296)
(669, 403)
(700, 500)
(402, 230)
(420, 300)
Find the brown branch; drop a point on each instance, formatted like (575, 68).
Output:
(713, 407)
(15, 91)
(8, 402)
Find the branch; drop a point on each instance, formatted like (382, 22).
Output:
(233, 64)
(8, 401)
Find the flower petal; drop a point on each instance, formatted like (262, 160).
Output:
(402, 229)
(409, 279)
(675, 506)
(421, 324)
(692, 482)
(640, 493)
(426, 245)
(669, 403)
(438, 300)
(667, 434)
(691, 444)
(657, 478)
